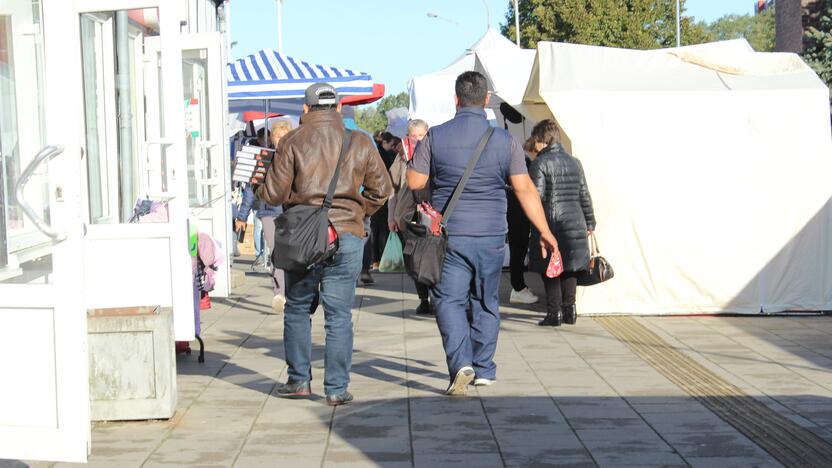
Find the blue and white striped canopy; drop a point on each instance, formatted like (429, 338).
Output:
(279, 80)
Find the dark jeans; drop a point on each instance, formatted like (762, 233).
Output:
(334, 281)
(422, 290)
(560, 291)
(519, 229)
(470, 276)
(379, 231)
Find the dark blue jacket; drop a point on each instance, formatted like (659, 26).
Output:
(481, 210)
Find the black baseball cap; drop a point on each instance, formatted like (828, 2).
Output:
(321, 94)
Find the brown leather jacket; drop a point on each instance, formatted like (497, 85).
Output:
(305, 162)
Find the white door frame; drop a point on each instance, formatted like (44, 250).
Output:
(67, 438)
(216, 216)
(165, 243)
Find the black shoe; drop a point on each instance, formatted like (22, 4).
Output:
(366, 277)
(294, 389)
(339, 399)
(552, 319)
(425, 308)
(570, 314)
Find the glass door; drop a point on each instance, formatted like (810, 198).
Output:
(44, 398)
(206, 138)
(136, 173)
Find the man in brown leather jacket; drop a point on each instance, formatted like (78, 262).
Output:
(303, 166)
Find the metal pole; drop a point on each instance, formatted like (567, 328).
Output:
(280, 26)
(487, 15)
(517, 23)
(678, 23)
(127, 171)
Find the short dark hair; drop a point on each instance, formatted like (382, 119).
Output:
(387, 136)
(471, 89)
(546, 132)
(322, 107)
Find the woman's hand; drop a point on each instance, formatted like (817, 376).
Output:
(392, 225)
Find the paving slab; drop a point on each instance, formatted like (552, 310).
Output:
(570, 396)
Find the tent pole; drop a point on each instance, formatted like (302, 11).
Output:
(266, 128)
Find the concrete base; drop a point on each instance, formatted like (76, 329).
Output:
(132, 364)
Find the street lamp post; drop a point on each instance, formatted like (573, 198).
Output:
(279, 26)
(435, 16)
(678, 23)
(487, 15)
(517, 23)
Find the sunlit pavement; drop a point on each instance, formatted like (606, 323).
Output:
(583, 395)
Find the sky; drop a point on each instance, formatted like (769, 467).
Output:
(390, 39)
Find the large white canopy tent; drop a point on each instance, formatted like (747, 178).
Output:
(709, 169)
(432, 95)
(507, 71)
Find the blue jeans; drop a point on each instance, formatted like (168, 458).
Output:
(258, 236)
(335, 280)
(470, 275)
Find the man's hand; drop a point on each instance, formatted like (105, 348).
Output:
(392, 225)
(548, 243)
(239, 225)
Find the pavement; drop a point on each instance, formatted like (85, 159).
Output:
(584, 395)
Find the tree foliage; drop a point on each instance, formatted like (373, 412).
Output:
(373, 119)
(817, 45)
(633, 24)
(758, 30)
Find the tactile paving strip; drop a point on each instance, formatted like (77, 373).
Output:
(791, 444)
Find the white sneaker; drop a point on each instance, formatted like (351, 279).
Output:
(483, 382)
(522, 297)
(459, 387)
(278, 304)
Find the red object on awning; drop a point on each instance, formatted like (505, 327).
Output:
(248, 116)
(378, 93)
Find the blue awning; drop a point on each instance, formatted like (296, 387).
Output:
(281, 80)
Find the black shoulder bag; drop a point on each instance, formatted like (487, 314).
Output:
(301, 235)
(424, 251)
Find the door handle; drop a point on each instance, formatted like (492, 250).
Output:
(45, 154)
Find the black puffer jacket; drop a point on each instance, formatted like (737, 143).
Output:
(561, 183)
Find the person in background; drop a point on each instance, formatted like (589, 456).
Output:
(378, 224)
(403, 202)
(266, 214)
(301, 172)
(259, 259)
(519, 229)
(560, 181)
(476, 230)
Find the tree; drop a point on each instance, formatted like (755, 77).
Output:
(373, 119)
(633, 24)
(817, 45)
(758, 30)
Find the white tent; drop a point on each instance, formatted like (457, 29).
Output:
(507, 71)
(709, 168)
(432, 95)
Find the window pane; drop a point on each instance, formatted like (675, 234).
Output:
(25, 255)
(114, 46)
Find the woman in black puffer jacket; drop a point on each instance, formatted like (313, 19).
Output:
(561, 183)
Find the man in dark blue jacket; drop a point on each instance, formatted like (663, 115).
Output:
(476, 231)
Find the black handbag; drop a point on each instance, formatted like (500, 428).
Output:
(301, 235)
(424, 251)
(599, 270)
